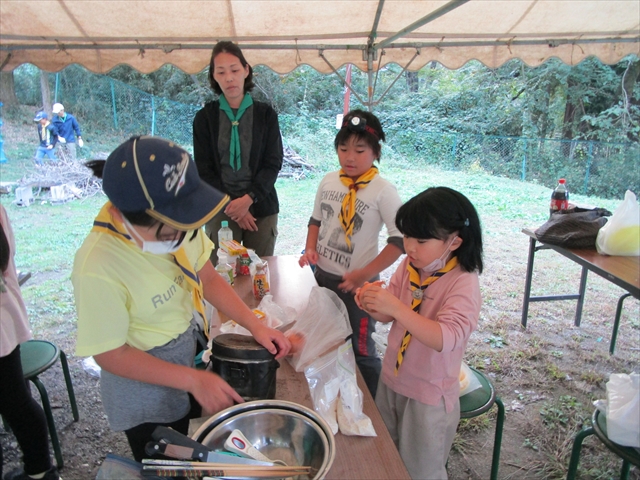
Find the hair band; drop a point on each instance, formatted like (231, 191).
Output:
(358, 124)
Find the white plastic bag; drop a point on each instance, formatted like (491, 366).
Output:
(622, 409)
(91, 367)
(275, 316)
(322, 326)
(335, 392)
(621, 234)
(468, 381)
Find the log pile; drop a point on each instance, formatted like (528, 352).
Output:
(293, 165)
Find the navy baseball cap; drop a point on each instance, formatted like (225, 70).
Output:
(156, 176)
(40, 116)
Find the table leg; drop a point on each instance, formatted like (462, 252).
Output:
(527, 282)
(616, 323)
(583, 287)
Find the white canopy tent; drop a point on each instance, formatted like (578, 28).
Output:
(324, 34)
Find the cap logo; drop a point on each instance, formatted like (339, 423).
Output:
(175, 175)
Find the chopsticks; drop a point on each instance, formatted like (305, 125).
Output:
(174, 468)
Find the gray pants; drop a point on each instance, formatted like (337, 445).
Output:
(263, 242)
(423, 433)
(67, 151)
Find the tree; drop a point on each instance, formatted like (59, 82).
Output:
(7, 89)
(46, 91)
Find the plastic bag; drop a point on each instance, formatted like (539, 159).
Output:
(468, 381)
(91, 367)
(335, 392)
(622, 409)
(621, 234)
(322, 326)
(274, 316)
(577, 228)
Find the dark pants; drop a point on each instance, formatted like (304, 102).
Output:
(363, 326)
(263, 242)
(140, 435)
(24, 416)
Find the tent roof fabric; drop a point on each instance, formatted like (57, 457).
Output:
(324, 34)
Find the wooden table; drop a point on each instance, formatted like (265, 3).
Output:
(621, 271)
(356, 457)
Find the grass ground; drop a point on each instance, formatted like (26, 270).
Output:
(547, 375)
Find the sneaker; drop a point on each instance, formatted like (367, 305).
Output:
(18, 474)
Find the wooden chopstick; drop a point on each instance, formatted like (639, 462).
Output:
(249, 471)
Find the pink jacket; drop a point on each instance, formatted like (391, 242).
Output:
(427, 375)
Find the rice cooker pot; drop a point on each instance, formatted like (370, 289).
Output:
(245, 365)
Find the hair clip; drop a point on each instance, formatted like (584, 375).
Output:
(466, 222)
(359, 124)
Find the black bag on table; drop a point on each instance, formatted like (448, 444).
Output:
(577, 228)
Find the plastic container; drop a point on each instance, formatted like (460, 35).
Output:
(245, 365)
(225, 259)
(559, 198)
(224, 233)
(261, 280)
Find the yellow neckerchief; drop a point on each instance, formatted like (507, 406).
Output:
(105, 223)
(417, 289)
(348, 210)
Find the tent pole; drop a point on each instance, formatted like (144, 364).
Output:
(344, 82)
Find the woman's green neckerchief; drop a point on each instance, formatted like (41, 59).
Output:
(235, 158)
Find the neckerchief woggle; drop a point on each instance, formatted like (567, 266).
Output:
(105, 223)
(235, 158)
(348, 211)
(417, 290)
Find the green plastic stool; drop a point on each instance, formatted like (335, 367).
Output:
(629, 455)
(36, 357)
(480, 401)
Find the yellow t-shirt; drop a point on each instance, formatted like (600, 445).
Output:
(126, 296)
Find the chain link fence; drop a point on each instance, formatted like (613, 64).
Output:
(115, 111)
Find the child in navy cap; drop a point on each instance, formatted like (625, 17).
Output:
(140, 279)
(47, 136)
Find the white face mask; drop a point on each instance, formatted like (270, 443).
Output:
(439, 263)
(155, 247)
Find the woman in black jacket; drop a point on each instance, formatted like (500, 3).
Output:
(238, 150)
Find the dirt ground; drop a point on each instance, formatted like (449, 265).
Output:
(547, 375)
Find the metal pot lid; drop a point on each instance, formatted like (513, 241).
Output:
(241, 347)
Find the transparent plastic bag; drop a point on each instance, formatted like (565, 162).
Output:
(273, 315)
(335, 392)
(322, 326)
(621, 234)
(622, 409)
(468, 381)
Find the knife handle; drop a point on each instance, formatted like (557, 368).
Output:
(173, 438)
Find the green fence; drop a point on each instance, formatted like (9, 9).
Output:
(117, 111)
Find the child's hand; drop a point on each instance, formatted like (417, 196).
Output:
(309, 257)
(352, 280)
(375, 299)
(361, 290)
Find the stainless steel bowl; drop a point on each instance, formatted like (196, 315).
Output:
(280, 430)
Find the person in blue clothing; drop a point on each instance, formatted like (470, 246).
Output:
(67, 129)
(47, 136)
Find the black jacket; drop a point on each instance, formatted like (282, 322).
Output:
(265, 159)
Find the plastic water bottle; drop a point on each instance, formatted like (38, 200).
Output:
(225, 233)
(559, 198)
